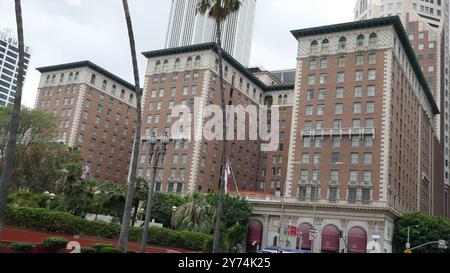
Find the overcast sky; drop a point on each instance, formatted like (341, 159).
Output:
(61, 31)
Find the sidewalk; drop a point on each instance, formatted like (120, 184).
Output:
(14, 234)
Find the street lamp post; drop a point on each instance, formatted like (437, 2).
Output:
(316, 186)
(408, 243)
(174, 209)
(156, 156)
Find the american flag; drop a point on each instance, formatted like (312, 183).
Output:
(86, 170)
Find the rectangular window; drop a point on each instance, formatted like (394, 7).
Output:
(367, 158)
(357, 108)
(336, 141)
(368, 141)
(332, 194)
(306, 142)
(321, 110)
(304, 175)
(371, 90)
(356, 123)
(322, 94)
(358, 76)
(359, 59)
(370, 107)
(338, 109)
(312, 64)
(367, 177)
(355, 141)
(335, 158)
(365, 196)
(354, 158)
(372, 74)
(309, 110)
(310, 95)
(314, 193)
(323, 63)
(358, 91)
(302, 194)
(353, 176)
(352, 195)
(341, 61)
(323, 78)
(340, 93)
(340, 77)
(311, 79)
(372, 58)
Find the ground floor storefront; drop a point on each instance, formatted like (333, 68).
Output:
(330, 229)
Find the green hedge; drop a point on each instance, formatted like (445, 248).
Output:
(60, 222)
(22, 248)
(55, 243)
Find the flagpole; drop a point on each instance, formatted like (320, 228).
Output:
(234, 179)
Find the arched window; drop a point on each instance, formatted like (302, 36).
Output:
(254, 93)
(114, 89)
(330, 239)
(360, 40)
(47, 81)
(357, 240)
(53, 78)
(122, 94)
(268, 100)
(342, 43)
(189, 62)
(157, 65)
(198, 59)
(314, 46)
(373, 39)
(70, 77)
(104, 85)
(325, 45)
(77, 76)
(131, 98)
(93, 79)
(177, 64)
(260, 98)
(226, 71)
(61, 78)
(166, 65)
(280, 99)
(285, 99)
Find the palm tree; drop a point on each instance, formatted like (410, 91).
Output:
(124, 232)
(196, 215)
(10, 154)
(219, 10)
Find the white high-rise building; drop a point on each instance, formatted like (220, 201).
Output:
(186, 27)
(427, 24)
(9, 59)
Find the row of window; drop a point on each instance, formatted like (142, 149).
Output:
(177, 64)
(341, 61)
(358, 91)
(187, 77)
(360, 42)
(340, 77)
(336, 158)
(73, 77)
(352, 194)
(339, 108)
(336, 142)
(354, 176)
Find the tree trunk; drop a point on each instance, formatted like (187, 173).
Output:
(216, 244)
(10, 153)
(136, 207)
(123, 239)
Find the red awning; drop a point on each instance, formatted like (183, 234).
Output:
(330, 239)
(255, 232)
(357, 240)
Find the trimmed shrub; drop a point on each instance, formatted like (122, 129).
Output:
(88, 250)
(98, 247)
(60, 222)
(55, 243)
(110, 250)
(22, 248)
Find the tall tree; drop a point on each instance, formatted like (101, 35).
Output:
(124, 232)
(196, 215)
(219, 10)
(10, 153)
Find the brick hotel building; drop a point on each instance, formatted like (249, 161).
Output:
(95, 111)
(356, 130)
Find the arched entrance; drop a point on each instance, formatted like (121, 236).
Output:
(357, 240)
(330, 239)
(254, 235)
(306, 243)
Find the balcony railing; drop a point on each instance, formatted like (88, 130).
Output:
(338, 132)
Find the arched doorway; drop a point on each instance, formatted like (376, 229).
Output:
(357, 240)
(330, 239)
(254, 235)
(306, 243)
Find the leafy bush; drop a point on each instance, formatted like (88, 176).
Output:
(110, 250)
(88, 250)
(22, 248)
(52, 221)
(55, 243)
(98, 247)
